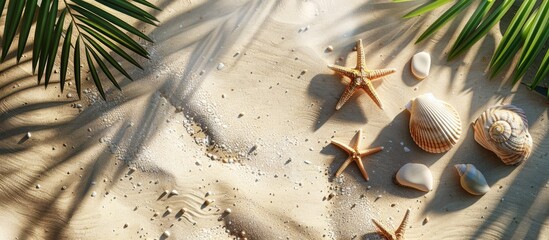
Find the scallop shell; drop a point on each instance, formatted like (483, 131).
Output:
(504, 131)
(434, 125)
(471, 179)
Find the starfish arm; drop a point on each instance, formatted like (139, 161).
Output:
(382, 230)
(345, 71)
(368, 87)
(351, 88)
(358, 139)
(370, 151)
(362, 169)
(402, 228)
(346, 148)
(361, 59)
(343, 166)
(379, 73)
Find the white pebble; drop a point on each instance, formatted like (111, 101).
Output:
(174, 192)
(220, 66)
(166, 234)
(93, 194)
(421, 65)
(406, 149)
(330, 48)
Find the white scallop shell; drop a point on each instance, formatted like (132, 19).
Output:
(434, 125)
(504, 131)
(471, 179)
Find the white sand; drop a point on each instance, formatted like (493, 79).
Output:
(270, 111)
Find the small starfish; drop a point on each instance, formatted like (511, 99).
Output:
(399, 233)
(355, 154)
(360, 77)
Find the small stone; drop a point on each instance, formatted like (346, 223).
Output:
(166, 234)
(406, 149)
(63, 187)
(426, 220)
(174, 192)
(78, 105)
(93, 194)
(28, 135)
(69, 95)
(330, 48)
(228, 211)
(240, 115)
(208, 202)
(303, 72)
(416, 176)
(208, 193)
(421, 65)
(220, 66)
(37, 186)
(125, 225)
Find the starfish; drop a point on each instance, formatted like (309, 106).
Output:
(360, 77)
(399, 233)
(355, 154)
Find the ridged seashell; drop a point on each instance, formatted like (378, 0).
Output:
(504, 131)
(471, 179)
(416, 176)
(434, 125)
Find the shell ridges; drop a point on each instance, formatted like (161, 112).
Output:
(435, 125)
(504, 131)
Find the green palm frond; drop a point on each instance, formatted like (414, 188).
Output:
(528, 32)
(92, 27)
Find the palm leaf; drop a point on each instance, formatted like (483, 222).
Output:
(479, 14)
(110, 18)
(15, 10)
(39, 33)
(543, 71)
(452, 12)
(77, 68)
(94, 74)
(103, 67)
(100, 31)
(28, 17)
(536, 39)
(48, 31)
(483, 29)
(513, 31)
(65, 57)
(54, 46)
(130, 10)
(426, 8)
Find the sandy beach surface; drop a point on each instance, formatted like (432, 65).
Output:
(226, 134)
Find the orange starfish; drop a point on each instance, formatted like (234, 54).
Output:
(360, 77)
(399, 233)
(355, 154)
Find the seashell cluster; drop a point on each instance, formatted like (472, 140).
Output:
(416, 176)
(471, 179)
(504, 131)
(434, 125)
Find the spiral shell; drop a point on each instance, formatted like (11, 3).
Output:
(504, 131)
(471, 179)
(434, 125)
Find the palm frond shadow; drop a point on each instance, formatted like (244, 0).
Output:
(57, 218)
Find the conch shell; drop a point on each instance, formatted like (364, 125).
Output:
(471, 179)
(504, 131)
(434, 125)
